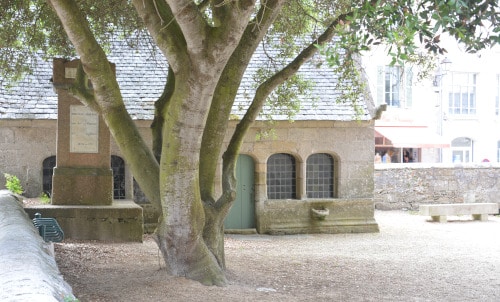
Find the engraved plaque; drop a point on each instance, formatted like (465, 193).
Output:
(70, 73)
(84, 130)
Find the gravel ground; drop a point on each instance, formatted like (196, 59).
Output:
(411, 259)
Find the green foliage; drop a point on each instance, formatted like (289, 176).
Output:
(267, 133)
(407, 26)
(45, 198)
(33, 28)
(30, 27)
(70, 299)
(13, 184)
(285, 99)
(411, 31)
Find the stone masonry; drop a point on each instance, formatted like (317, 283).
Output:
(406, 186)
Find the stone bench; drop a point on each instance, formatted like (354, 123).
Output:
(439, 212)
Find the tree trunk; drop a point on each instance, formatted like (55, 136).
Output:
(180, 234)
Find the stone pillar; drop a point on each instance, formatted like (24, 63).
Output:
(82, 175)
(82, 183)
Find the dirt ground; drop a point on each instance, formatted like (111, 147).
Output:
(411, 259)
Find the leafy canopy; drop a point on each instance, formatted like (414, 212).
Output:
(30, 27)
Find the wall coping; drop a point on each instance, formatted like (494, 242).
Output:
(436, 165)
(29, 270)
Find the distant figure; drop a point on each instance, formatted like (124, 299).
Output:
(386, 158)
(378, 158)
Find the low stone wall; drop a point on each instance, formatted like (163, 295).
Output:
(28, 269)
(406, 186)
(292, 216)
(119, 222)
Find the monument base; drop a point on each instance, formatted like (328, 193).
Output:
(122, 221)
(82, 185)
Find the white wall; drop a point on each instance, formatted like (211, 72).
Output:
(430, 103)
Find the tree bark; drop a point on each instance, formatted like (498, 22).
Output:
(180, 233)
(197, 57)
(216, 209)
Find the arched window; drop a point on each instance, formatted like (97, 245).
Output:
(118, 167)
(281, 177)
(319, 176)
(461, 149)
(47, 170)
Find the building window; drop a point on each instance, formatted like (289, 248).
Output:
(118, 167)
(48, 170)
(319, 176)
(462, 94)
(394, 86)
(281, 177)
(461, 149)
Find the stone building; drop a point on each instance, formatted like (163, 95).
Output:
(314, 174)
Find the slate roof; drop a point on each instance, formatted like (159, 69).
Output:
(34, 97)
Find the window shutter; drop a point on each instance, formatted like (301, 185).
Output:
(408, 86)
(380, 85)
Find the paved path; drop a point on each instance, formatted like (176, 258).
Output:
(411, 259)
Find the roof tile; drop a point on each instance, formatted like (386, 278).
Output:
(141, 77)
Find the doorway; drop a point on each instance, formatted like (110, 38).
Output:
(242, 213)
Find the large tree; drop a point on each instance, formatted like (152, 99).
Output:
(208, 45)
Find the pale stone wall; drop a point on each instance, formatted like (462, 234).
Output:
(406, 186)
(351, 145)
(26, 143)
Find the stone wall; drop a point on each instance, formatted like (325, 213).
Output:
(28, 269)
(332, 216)
(406, 186)
(25, 144)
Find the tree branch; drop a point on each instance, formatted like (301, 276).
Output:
(80, 90)
(265, 89)
(164, 29)
(158, 121)
(191, 22)
(226, 91)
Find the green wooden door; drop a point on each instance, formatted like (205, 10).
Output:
(242, 213)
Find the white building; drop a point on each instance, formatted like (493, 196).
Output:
(451, 116)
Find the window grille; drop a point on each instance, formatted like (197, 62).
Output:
(319, 176)
(48, 170)
(118, 167)
(281, 177)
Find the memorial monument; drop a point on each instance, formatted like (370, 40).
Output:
(82, 183)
